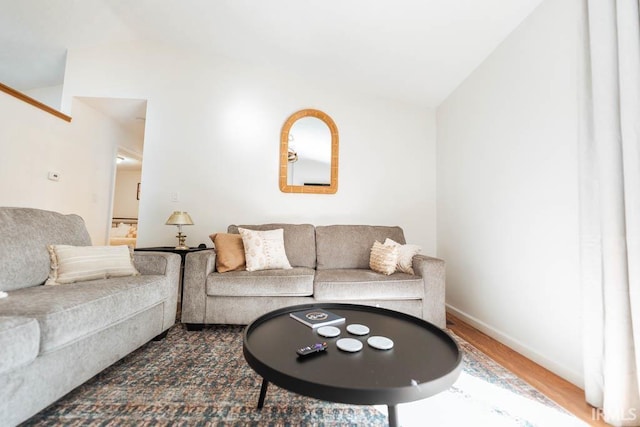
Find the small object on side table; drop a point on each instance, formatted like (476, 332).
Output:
(179, 219)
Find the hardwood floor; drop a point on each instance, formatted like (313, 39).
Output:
(559, 390)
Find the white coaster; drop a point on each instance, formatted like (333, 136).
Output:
(381, 343)
(349, 344)
(3, 294)
(357, 329)
(328, 331)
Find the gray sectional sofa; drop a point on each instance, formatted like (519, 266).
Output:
(330, 264)
(54, 338)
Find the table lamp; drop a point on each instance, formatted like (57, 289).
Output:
(180, 218)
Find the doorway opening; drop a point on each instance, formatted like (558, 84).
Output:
(126, 188)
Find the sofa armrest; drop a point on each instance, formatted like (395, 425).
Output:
(159, 263)
(197, 267)
(432, 271)
(162, 264)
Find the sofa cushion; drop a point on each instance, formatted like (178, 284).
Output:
(25, 235)
(297, 281)
(299, 241)
(71, 312)
(19, 341)
(349, 246)
(357, 284)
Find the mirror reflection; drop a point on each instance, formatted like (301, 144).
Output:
(309, 153)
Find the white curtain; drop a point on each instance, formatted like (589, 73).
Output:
(609, 150)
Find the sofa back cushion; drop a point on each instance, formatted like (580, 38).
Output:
(349, 246)
(26, 232)
(299, 241)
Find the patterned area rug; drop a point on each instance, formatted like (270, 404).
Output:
(201, 379)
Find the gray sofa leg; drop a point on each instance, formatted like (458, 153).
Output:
(161, 336)
(194, 326)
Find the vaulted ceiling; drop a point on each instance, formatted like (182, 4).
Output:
(413, 50)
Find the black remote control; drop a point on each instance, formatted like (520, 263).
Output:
(312, 349)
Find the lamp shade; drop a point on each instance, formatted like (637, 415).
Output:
(179, 218)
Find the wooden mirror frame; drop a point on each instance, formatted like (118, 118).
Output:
(332, 188)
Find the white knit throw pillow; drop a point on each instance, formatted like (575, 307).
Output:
(405, 255)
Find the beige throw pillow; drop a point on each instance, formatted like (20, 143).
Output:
(229, 252)
(383, 258)
(80, 263)
(264, 250)
(405, 255)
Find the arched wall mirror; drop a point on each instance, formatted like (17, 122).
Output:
(309, 153)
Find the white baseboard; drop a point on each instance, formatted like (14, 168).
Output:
(562, 371)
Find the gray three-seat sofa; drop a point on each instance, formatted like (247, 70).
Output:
(330, 264)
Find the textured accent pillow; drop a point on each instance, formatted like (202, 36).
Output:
(229, 252)
(405, 255)
(80, 263)
(264, 250)
(383, 258)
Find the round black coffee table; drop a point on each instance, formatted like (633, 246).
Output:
(423, 361)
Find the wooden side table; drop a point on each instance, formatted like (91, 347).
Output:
(183, 256)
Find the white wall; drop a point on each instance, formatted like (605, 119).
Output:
(212, 136)
(507, 192)
(34, 142)
(125, 202)
(49, 95)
